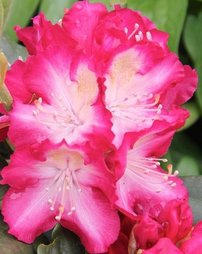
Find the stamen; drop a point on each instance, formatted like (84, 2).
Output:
(149, 36)
(61, 211)
(140, 35)
(144, 169)
(126, 30)
(170, 169)
(134, 31)
(137, 37)
(65, 183)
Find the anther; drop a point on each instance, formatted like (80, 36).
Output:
(141, 35)
(40, 100)
(149, 36)
(50, 201)
(126, 30)
(35, 113)
(136, 26)
(173, 184)
(137, 37)
(159, 108)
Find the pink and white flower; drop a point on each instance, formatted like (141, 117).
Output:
(61, 100)
(145, 188)
(62, 185)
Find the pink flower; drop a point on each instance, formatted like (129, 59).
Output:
(164, 246)
(42, 35)
(64, 185)
(59, 99)
(144, 187)
(192, 243)
(139, 71)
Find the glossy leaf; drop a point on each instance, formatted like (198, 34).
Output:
(188, 166)
(185, 155)
(3, 189)
(111, 3)
(194, 185)
(19, 14)
(6, 6)
(194, 111)
(1, 17)
(12, 50)
(5, 96)
(193, 43)
(9, 245)
(64, 242)
(168, 15)
(54, 10)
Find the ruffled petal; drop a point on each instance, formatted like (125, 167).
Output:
(41, 35)
(133, 89)
(63, 186)
(144, 185)
(194, 242)
(164, 246)
(94, 221)
(15, 83)
(66, 104)
(27, 213)
(80, 23)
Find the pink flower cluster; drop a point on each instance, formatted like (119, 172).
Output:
(95, 107)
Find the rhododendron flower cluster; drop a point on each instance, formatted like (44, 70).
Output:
(95, 106)
(148, 237)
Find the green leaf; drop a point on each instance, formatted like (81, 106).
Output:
(168, 15)
(188, 166)
(54, 10)
(9, 245)
(64, 242)
(1, 17)
(194, 111)
(111, 3)
(19, 14)
(194, 185)
(3, 189)
(6, 6)
(185, 155)
(12, 50)
(193, 43)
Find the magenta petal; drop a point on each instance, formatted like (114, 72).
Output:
(95, 222)
(163, 246)
(144, 186)
(80, 23)
(41, 35)
(27, 212)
